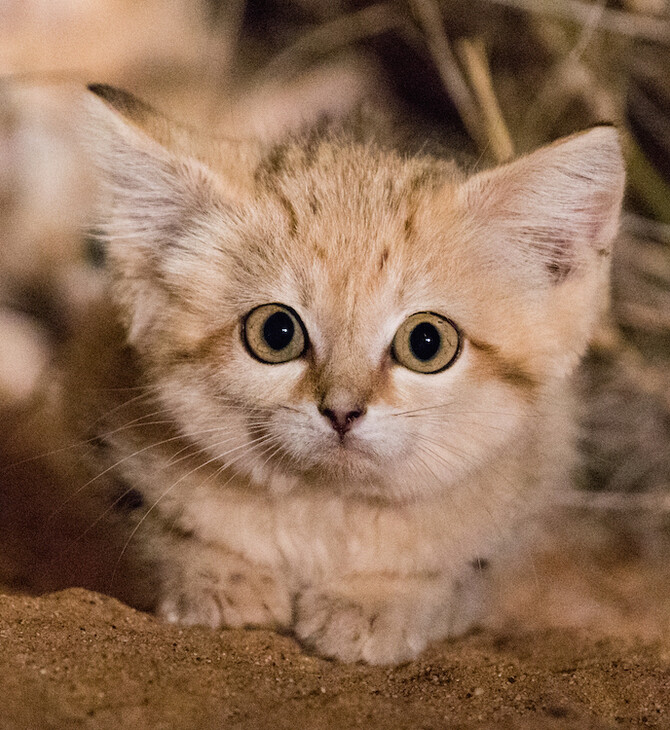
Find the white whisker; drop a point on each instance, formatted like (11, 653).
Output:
(169, 489)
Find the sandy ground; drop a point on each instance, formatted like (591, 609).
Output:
(78, 659)
(580, 639)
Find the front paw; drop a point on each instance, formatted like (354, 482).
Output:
(234, 594)
(339, 627)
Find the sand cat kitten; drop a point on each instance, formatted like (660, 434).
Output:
(352, 369)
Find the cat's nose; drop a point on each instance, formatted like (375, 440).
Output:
(341, 419)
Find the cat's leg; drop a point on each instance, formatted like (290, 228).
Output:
(382, 619)
(204, 584)
(175, 573)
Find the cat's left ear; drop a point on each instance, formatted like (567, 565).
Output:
(555, 210)
(156, 196)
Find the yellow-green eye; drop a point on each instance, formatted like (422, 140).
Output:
(273, 333)
(426, 342)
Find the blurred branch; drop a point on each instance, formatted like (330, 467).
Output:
(614, 501)
(647, 378)
(638, 225)
(574, 80)
(476, 102)
(338, 33)
(614, 21)
(430, 20)
(644, 318)
(473, 57)
(548, 104)
(647, 184)
(232, 23)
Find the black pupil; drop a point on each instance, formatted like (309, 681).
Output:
(278, 330)
(424, 341)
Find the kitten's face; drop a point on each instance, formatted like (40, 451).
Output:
(352, 321)
(346, 408)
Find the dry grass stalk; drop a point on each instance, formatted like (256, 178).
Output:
(648, 184)
(231, 25)
(615, 501)
(567, 79)
(329, 38)
(473, 57)
(430, 21)
(473, 93)
(623, 23)
(647, 378)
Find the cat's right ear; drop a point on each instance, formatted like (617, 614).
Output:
(151, 200)
(557, 207)
(546, 222)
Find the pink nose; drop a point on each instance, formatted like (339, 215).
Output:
(341, 420)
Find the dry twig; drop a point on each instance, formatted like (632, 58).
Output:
(330, 37)
(430, 20)
(615, 501)
(620, 22)
(564, 81)
(473, 57)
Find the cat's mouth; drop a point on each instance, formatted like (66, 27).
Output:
(347, 442)
(302, 449)
(343, 457)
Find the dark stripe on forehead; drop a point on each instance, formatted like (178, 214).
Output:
(430, 178)
(274, 162)
(383, 258)
(408, 226)
(505, 368)
(290, 213)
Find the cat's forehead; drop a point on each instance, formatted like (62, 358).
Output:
(350, 216)
(349, 176)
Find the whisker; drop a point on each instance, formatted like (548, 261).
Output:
(418, 412)
(77, 444)
(227, 465)
(206, 447)
(126, 458)
(166, 492)
(459, 419)
(125, 404)
(475, 463)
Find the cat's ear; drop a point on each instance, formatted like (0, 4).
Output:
(133, 110)
(555, 210)
(544, 226)
(153, 197)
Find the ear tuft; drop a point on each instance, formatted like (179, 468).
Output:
(126, 104)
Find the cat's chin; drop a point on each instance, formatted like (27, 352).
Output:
(356, 477)
(350, 474)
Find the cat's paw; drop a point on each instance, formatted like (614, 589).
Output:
(339, 627)
(234, 597)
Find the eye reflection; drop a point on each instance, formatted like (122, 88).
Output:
(426, 343)
(273, 333)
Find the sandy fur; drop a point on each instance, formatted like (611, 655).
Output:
(248, 505)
